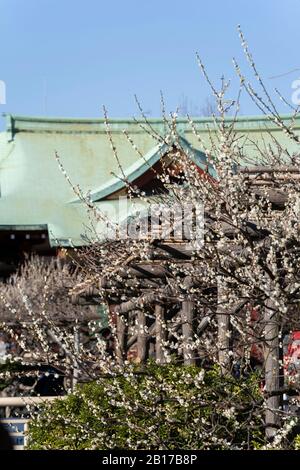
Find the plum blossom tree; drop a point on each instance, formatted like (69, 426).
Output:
(221, 299)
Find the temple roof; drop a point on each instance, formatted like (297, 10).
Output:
(35, 193)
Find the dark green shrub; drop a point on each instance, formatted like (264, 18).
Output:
(157, 407)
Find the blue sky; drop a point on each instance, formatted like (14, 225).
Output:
(68, 57)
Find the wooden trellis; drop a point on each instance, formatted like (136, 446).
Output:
(145, 286)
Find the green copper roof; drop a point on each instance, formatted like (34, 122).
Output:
(34, 192)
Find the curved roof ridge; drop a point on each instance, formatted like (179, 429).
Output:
(140, 166)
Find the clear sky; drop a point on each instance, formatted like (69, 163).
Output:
(68, 57)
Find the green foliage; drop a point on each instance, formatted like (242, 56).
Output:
(7, 371)
(157, 407)
(297, 442)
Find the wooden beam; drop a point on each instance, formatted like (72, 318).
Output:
(175, 252)
(149, 298)
(257, 169)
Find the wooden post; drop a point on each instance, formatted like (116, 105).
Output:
(76, 370)
(141, 336)
(161, 334)
(187, 317)
(187, 314)
(121, 343)
(272, 368)
(223, 327)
